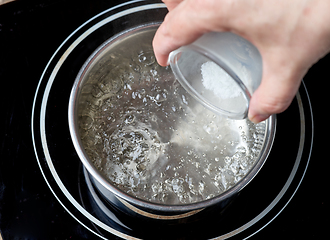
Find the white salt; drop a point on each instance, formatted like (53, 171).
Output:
(217, 80)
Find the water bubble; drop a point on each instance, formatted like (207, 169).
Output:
(184, 99)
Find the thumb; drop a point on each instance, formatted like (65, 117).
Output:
(274, 94)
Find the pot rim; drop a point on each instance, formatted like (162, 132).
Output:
(73, 127)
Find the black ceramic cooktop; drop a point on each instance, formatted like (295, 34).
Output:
(31, 208)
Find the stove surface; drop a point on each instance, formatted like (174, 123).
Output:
(30, 33)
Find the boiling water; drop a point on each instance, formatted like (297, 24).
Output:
(150, 139)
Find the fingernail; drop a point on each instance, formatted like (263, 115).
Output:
(258, 118)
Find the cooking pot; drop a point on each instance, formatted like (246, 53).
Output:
(109, 131)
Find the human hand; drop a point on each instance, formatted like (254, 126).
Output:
(290, 35)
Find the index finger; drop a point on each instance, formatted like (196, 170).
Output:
(171, 4)
(178, 29)
(185, 23)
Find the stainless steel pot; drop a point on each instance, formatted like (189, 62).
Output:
(101, 84)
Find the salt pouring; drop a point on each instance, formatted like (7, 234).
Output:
(221, 70)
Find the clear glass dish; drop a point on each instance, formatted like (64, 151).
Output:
(221, 70)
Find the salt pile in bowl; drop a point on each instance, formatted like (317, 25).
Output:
(216, 79)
